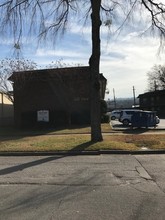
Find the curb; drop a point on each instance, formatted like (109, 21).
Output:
(53, 153)
(76, 153)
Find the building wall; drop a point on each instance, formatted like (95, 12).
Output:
(64, 93)
(153, 101)
(6, 111)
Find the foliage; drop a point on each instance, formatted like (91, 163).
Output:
(156, 78)
(7, 67)
(104, 118)
(103, 106)
(61, 64)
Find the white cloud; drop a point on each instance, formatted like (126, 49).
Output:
(135, 58)
(58, 53)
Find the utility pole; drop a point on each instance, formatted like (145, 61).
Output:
(134, 102)
(114, 97)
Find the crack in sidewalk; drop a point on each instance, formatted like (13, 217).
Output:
(143, 172)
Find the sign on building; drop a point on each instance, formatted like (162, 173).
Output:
(43, 115)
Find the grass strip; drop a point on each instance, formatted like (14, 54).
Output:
(79, 142)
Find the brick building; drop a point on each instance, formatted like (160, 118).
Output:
(53, 96)
(153, 101)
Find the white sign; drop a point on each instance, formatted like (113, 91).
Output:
(43, 115)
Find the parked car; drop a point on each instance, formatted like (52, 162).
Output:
(115, 114)
(126, 115)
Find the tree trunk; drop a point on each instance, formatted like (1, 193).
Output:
(94, 63)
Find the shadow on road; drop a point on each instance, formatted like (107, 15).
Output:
(27, 165)
(135, 130)
(21, 167)
(128, 129)
(117, 126)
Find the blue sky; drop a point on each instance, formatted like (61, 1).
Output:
(126, 57)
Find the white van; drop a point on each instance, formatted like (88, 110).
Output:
(115, 114)
(126, 115)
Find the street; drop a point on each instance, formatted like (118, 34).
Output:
(102, 187)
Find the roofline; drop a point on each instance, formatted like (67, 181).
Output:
(51, 69)
(152, 92)
(11, 78)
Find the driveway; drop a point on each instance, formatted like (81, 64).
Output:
(116, 125)
(161, 124)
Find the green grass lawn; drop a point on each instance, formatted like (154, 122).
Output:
(76, 139)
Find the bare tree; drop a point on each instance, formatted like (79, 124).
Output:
(156, 78)
(50, 18)
(61, 64)
(7, 67)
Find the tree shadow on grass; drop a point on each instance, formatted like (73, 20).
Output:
(82, 147)
(12, 133)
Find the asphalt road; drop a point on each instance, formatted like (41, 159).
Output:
(103, 187)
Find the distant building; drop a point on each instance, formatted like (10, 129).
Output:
(53, 96)
(4, 99)
(6, 110)
(153, 101)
